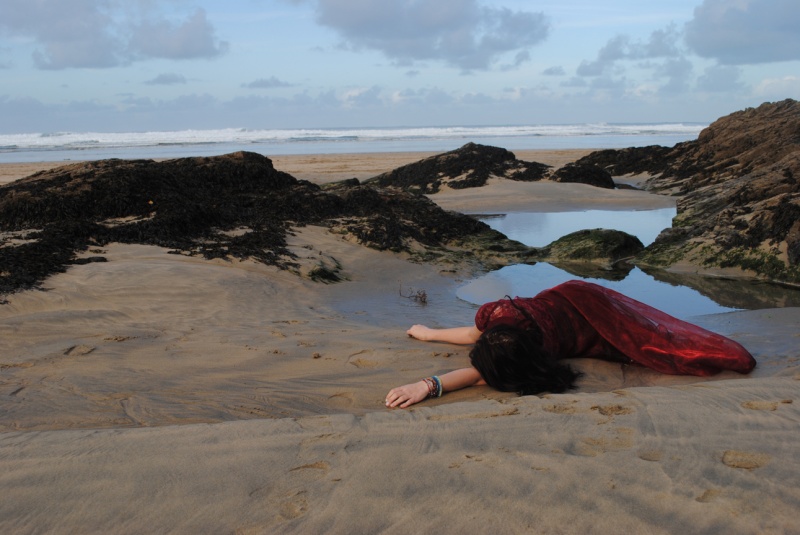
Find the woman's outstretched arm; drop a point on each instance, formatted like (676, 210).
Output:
(456, 335)
(406, 395)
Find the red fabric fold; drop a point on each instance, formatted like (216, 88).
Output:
(581, 319)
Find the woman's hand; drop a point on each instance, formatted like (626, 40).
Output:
(406, 395)
(420, 332)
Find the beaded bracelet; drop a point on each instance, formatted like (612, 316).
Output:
(434, 385)
(431, 386)
(438, 385)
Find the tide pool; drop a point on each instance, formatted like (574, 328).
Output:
(526, 281)
(540, 229)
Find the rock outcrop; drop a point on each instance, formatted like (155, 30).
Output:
(601, 246)
(582, 173)
(739, 192)
(237, 205)
(467, 167)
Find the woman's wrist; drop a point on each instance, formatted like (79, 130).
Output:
(434, 386)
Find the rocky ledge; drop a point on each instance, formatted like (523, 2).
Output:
(232, 206)
(472, 165)
(738, 189)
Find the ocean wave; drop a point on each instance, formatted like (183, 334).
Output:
(244, 136)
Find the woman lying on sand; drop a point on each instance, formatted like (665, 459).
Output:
(520, 343)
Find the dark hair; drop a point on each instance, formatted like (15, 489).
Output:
(512, 359)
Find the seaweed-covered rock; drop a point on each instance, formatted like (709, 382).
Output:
(237, 205)
(652, 159)
(739, 195)
(738, 192)
(591, 174)
(467, 167)
(592, 245)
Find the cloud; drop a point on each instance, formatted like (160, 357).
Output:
(74, 34)
(104, 33)
(779, 88)
(4, 64)
(460, 33)
(720, 79)
(554, 71)
(161, 39)
(167, 79)
(266, 83)
(661, 44)
(575, 81)
(362, 98)
(745, 31)
(678, 73)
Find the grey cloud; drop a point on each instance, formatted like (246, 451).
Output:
(720, 79)
(364, 99)
(71, 34)
(193, 39)
(746, 31)
(575, 81)
(678, 72)
(554, 71)
(661, 44)
(427, 97)
(613, 51)
(523, 56)
(266, 83)
(101, 33)
(458, 32)
(167, 79)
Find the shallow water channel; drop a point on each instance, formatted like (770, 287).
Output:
(682, 295)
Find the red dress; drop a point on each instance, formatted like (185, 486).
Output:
(581, 319)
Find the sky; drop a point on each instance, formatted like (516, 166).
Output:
(149, 65)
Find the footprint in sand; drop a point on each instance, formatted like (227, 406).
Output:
(745, 459)
(467, 458)
(612, 410)
(708, 496)
(759, 405)
(77, 351)
(118, 338)
(342, 399)
(621, 439)
(650, 455)
(319, 465)
(561, 409)
(295, 507)
(363, 363)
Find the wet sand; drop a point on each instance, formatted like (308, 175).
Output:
(158, 392)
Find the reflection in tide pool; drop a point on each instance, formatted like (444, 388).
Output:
(526, 281)
(538, 229)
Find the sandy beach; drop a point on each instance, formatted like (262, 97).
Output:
(165, 393)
